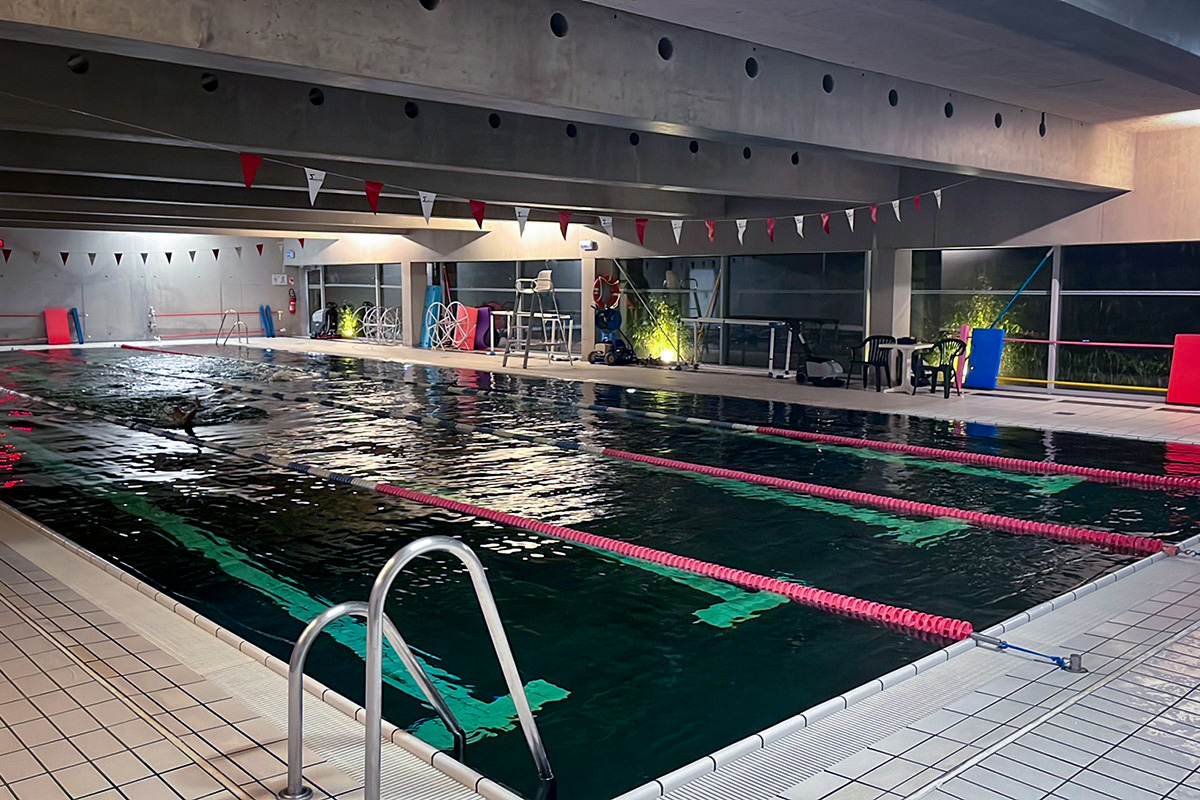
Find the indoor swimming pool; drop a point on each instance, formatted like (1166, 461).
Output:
(634, 669)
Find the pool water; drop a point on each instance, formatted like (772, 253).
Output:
(635, 669)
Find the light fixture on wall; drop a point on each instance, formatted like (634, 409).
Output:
(589, 245)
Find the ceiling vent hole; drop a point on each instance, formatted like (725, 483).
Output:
(746, 153)
(893, 98)
(494, 120)
(999, 119)
(949, 109)
(572, 131)
(752, 67)
(827, 84)
(78, 64)
(558, 25)
(316, 96)
(694, 146)
(209, 82)
(796, 159)
(411, 109)
(634, 139)
(1042, 126)
(665, 49)
(429, 5)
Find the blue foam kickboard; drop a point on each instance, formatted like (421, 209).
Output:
(433, 294)
(78, 325)
(987, 346)
(270, 317)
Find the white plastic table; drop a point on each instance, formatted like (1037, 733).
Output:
(906, 351)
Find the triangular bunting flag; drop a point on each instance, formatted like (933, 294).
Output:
(825, 222)
(741, 229)
(800, 226)
(373, 190)
(875, 214)
(301, 241)
(677, 227)
(259, 247)
(640, 224)
(522, 218)
(239, 251)
(896, 209)
(316, 179)
(607, 224)
(144, 257)
(117, 257)
(771, 228)
(250, 165)
(917, 201)
(850, 218)
(37, 256)
(937, 196)
(216, 254)
(168, 255)
(64, 257)
(427, 199)
(92, 259)
(711, 224)
(192, 256)
(478, 209)
(7, 255)
(564, 219)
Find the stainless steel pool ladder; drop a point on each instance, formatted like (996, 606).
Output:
(240, 327)
(379, 627)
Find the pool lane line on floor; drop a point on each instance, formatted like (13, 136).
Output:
(916, 623)
(1121, 477)
(1021, 527)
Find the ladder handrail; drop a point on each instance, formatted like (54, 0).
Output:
(295, 788)
(491, 616)
(238, 325)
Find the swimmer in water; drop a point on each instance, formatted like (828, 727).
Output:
(184, 416)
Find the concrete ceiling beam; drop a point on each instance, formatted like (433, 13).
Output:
(606, 70)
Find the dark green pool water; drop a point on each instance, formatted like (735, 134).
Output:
(637, 670)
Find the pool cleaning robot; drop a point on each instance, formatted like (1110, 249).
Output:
(614, 350)
(817, 370)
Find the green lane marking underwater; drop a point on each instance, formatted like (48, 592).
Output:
(479, 718)
(736, 604)
(1038, 484)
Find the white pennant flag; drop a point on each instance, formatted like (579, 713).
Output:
(896, 208)
(522, 218)
(741, 228)
(607, 224)
(677, 228)
(850, 218)
(427, 199)
(937, 195)
(316, 179)
(800, 226)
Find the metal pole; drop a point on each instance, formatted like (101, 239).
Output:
(1055, 317)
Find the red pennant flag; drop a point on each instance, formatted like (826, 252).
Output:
(301, 244)
(771, 228)
(564, 219)
(825, 222)
(711, 224)
(875, 214)
(640, 222)
(478, 209)
(917, 201)
(118, 257)
(373, 189)
(216, 254)
(7, 255)
(65, 256)
(250, 165)
(260, 248)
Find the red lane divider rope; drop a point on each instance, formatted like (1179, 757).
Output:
(1121, 477)
(904, 619)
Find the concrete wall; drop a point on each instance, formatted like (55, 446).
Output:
(115, 297)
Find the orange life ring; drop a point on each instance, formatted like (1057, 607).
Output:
(614, 295)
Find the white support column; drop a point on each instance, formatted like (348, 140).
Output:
(889, 301)
(587, 323)
(413, 282)
(1055, 316)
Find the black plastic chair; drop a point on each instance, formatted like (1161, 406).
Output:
(945, 353)
(872, 354)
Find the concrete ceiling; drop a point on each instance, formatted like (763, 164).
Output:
(1090, 60)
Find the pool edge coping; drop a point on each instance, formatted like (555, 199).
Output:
(705, 765)
(437, 759)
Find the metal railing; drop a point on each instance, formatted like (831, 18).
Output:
(238, 326)
(379, 627)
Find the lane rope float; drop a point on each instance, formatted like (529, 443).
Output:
(1096, 474)
(1022, 527)
(903, 619)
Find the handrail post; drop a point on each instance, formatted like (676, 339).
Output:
(491, 616)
